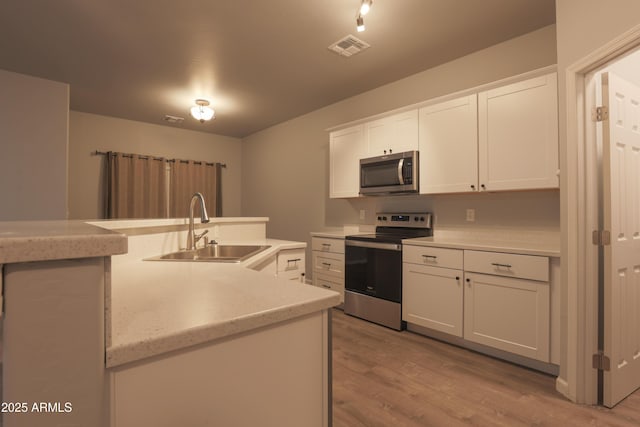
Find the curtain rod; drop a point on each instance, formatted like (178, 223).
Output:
(104, 153)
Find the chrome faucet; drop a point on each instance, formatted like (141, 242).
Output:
(192, 237)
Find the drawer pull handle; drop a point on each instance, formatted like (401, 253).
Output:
(294, 260)
(325, 286)
(430, 257)
(327, 264)
(498, 265)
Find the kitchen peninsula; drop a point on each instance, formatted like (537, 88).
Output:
(121, 341)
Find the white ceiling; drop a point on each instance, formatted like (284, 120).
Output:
(259, 62)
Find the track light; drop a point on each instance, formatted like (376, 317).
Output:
(365, 7)
(360, 24)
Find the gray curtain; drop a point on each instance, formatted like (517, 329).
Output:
(136, 186)
(189, 177)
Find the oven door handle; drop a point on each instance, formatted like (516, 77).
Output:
(374, 245)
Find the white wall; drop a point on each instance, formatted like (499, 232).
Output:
(285, 167)
(90, 132)
(33, 138)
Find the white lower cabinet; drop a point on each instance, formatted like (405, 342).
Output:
(432, 297)
(291, 264)
(328, 263)
(508, 314)
(432, 288)
(499, 300)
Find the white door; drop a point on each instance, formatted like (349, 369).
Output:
(621, 215)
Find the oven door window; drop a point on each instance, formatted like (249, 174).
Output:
(374, 272)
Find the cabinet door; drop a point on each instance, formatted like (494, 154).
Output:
(393, 134)
(346, 148)
(449, 146)
(518, 135)
(432, 297)
(508, 314)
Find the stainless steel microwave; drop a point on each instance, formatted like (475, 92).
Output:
(389, 174)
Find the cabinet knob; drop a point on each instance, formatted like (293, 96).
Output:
(468, 281)
(482, 186)
(457, 278)
(473, 187)
(390, 151)
(385, 151)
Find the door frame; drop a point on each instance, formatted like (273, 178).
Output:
(578, 380)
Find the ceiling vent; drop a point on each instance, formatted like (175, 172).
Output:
(348, 46)
(172, 119)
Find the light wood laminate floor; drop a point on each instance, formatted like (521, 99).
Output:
(382, 377)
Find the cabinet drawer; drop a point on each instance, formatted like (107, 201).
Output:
(327, 245)
(434, 257)
(291, 260)
(329, 264)
(293, 276)
(329, 282)
(509, 265)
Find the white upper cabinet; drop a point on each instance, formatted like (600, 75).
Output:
(449, 146)
(500, 139)
(392, 134)
(346, 147)
(518, 135)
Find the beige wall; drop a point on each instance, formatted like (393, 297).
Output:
(583, 26)
(90, 132)
(285, 167)
(33, 137)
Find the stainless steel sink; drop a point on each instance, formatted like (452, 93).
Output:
(214, 253)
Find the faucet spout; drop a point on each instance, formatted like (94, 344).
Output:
(192, 238)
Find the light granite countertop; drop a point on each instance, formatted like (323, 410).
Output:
(25, 241)
(540, 247)
(158, 307)
(155, 307)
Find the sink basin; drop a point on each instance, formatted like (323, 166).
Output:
(214, 253)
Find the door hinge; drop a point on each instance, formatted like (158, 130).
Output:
(600, 114)
(601, 362)
(601, 237)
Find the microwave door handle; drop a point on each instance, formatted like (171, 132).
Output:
(400, 178)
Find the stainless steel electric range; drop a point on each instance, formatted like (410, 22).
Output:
(373, 267)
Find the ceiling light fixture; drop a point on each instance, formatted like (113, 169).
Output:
(360, 23)
(365, 7)
(201, 111)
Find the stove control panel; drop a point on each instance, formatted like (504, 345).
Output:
(414, 220)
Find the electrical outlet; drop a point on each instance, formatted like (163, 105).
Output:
(471, 215)
(362, 213)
